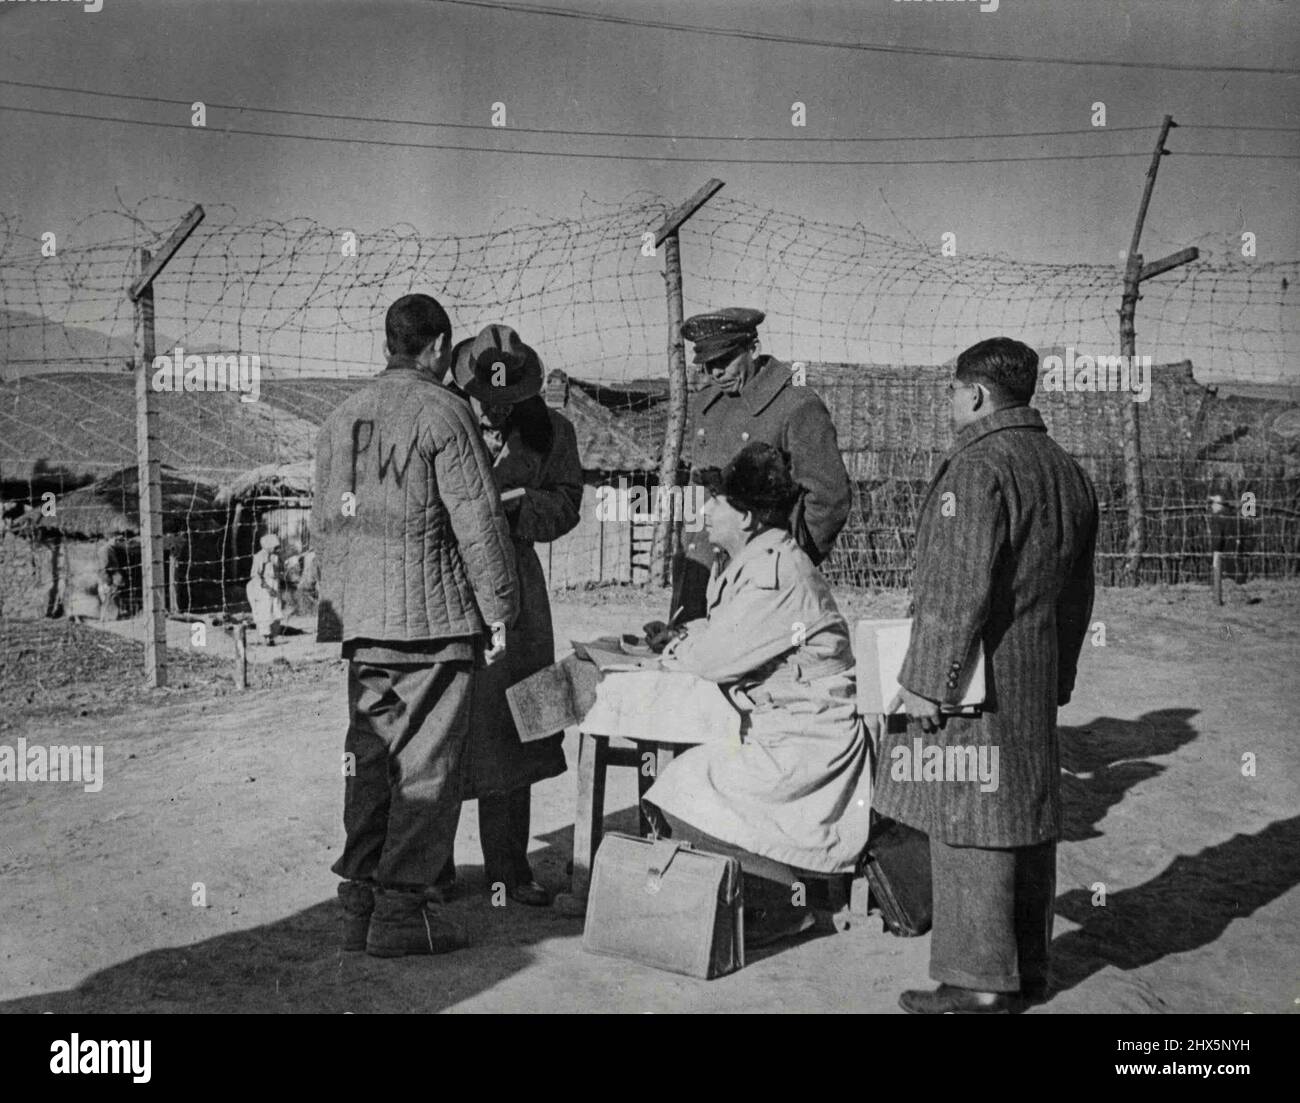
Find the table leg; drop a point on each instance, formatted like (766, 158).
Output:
(589, 817)
(646, 772)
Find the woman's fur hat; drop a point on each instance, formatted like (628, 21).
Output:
(757, 480)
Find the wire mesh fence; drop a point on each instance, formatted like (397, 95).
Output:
(271, 324)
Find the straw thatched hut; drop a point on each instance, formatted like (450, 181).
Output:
(274, 498)
(94, 535)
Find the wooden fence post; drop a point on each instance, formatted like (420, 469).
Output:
(241, 656)
(1134, 273)
(1134, 483)
(663, 545)
(152, 567)
(151, 521)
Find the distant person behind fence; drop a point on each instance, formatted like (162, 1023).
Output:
(265, 583)
(417, 579)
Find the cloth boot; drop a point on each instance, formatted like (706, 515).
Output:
(358, 901)
(408, 922)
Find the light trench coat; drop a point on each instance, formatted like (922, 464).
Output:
(798, 787)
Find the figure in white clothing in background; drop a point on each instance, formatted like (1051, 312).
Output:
(265, 582)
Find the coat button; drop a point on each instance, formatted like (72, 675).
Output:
(744, 436)
(699, 432)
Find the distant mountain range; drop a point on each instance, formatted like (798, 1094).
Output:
(31, 344)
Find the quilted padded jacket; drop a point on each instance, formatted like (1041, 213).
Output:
(412, 539)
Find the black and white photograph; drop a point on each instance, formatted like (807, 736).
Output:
(649, 507)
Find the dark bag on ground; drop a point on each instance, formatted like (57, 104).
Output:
(897, 865)
(663, 903)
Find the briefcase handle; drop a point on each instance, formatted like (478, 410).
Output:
(661, 855)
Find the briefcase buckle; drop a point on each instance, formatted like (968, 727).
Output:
(664, 851)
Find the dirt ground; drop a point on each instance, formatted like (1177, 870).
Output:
(241, 792)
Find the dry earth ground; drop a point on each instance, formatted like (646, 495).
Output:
(242, 793)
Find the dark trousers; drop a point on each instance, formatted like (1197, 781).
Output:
(992, 915)
(769, 884)
(401, 803)
(504, 828)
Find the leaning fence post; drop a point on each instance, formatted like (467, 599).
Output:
(662, 544)
(153, 582)
(1134, 273)
(151, 522)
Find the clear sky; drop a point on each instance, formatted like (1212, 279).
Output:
(445, 62)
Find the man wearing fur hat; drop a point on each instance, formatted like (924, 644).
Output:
(748, 397)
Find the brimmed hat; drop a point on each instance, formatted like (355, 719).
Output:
(497, 367)
(757, 480)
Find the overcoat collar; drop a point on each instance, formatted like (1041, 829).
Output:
(771, 378)
(755, 551)
(1010, 417)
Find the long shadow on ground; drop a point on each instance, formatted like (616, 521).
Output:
(293, 964)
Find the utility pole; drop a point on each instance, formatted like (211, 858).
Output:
(1134, 273)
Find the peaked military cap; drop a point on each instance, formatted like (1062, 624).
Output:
(722, 331)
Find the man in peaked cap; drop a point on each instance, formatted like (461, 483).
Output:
(748, 397)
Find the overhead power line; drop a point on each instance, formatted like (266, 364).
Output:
(565, 132)
(868, 47)
(393, 144)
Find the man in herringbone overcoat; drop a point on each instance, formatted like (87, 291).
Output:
(1005, 542)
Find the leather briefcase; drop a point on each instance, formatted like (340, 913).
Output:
(663, 903)
(897, 863)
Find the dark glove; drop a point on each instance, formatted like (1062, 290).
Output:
(659, 635)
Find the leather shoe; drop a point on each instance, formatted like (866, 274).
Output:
(948, 999)
(764, 927)
(1034, 991)
(530, 893)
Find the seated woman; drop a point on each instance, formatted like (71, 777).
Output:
(796, 794)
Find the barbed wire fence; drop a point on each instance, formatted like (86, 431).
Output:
(874, 319)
